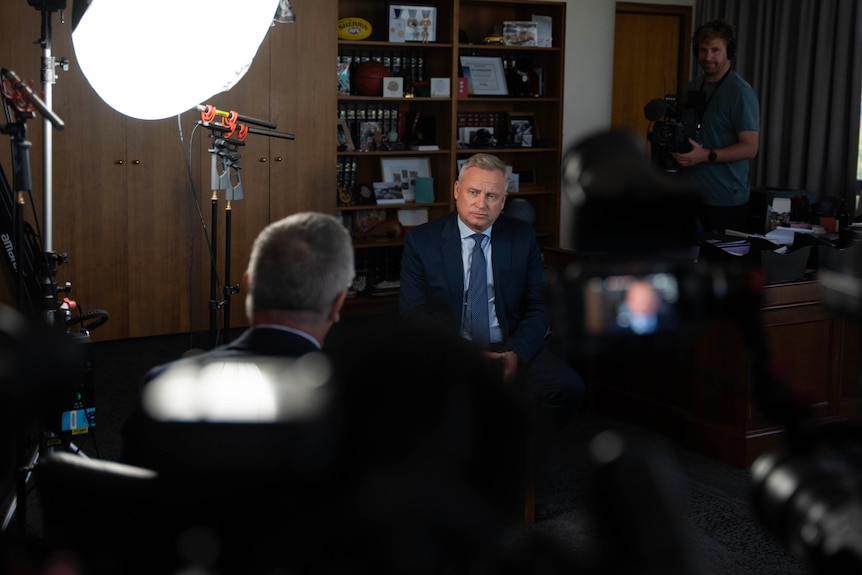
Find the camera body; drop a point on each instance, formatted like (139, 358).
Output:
(673, 126)
(647, 303)
(637, 280)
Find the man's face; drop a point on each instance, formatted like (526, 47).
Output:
(479, 197)
(712, 56)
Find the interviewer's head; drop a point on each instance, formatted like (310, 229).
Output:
(300, 266)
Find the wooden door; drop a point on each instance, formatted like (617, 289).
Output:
(652, 53)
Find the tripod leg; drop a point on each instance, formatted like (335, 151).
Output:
(22, 483)
(24, 475)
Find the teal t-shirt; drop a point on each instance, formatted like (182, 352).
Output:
(731, 107)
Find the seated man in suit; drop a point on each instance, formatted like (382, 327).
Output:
(296, 282)
(512, 322)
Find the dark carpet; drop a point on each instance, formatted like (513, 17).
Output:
(719, 529)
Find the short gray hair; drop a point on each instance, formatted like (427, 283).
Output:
(300, 263)
(483, 161)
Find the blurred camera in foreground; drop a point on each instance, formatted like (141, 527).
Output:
(636, 280)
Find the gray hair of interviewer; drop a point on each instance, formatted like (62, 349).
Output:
(300, 263)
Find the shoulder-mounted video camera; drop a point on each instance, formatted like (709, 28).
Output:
(672, 126)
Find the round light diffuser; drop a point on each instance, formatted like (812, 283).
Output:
(159, 58)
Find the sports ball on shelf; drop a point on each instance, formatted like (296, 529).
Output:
(353, 29)
(368, 78)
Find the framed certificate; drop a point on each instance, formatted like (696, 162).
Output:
(485, 75)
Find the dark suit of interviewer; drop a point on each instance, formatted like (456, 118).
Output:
(433, 270)
(296, 282)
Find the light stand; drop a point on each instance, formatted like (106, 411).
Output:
(228, 134)
(36, 274)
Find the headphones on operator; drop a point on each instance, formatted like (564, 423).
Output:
(722, 29)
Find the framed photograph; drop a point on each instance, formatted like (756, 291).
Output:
(388, 193)
(412, 23)
(522, 129)
(520, 33)
(405, 171)
(476, 136)
(345, 142)
(485, 75)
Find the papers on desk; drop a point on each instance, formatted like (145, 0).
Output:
(736, 248)
(783, 235)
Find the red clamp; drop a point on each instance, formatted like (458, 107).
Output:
(241, 131)
(17, 97)
(208, 113)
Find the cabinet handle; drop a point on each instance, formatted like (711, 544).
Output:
(119, 162)
(136, 162)
(278, 158)
(262, 160)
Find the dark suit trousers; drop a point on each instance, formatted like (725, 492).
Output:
(557, 391)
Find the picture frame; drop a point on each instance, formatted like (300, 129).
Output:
(386, 193)
(405, 170)
(522, 129)
(345, 141)
(412, 23)
(393, 87)
(485, 75)
(520, 33)
(441, 87)
(466, 136)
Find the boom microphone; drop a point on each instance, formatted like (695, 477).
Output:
(655, 109)
(209, 112)
(31, 97)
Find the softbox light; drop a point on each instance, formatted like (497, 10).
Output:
(155, 59)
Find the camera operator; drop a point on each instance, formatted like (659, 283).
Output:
(729, 126)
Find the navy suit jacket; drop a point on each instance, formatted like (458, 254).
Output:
(432, 279)
(263, 341)
(255, 341)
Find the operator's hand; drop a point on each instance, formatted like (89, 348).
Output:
(510, 362)
(697, 155)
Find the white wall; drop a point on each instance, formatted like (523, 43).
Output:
(589, 76)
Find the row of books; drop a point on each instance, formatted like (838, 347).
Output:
(371, 124)
(375, 126)
(407, 65)
(346, 183)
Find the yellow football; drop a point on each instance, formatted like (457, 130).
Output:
(353, 29)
